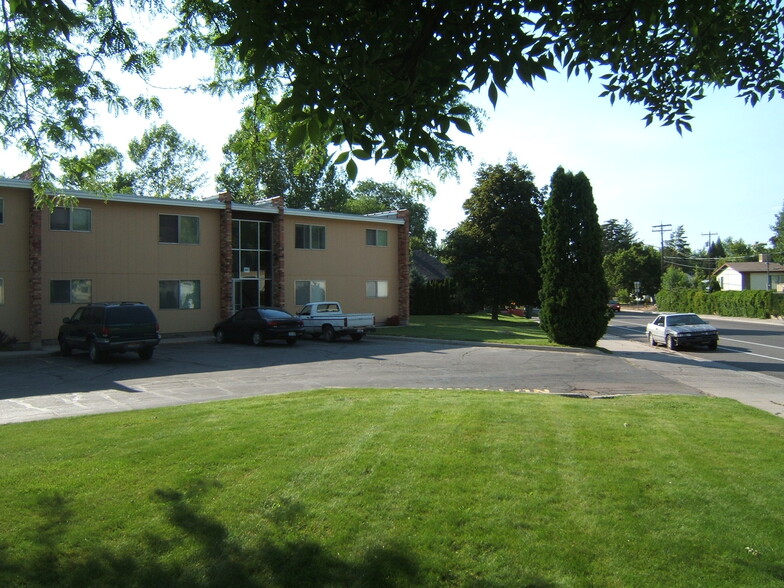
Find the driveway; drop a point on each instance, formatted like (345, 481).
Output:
(43, 385)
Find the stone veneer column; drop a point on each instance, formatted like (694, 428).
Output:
(35, 253)
(278, 250)
(403, 271)
(226, 273)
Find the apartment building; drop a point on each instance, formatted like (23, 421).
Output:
(193, 261)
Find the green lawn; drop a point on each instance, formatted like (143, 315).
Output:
(474, 327)
(398, 488)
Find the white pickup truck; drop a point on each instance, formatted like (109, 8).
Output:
(329, 320)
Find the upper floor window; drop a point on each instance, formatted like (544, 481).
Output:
(376, 237)
(71, 219)
(376, 288)
(175, 228)
(70, 291)
(310, 237)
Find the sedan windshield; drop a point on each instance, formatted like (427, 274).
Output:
(686, 319)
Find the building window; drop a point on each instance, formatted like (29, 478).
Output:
(70, 291)
(310, 237)
(179, 294)
(1, 211)
(174, 228)
(376, 288)
(310, 291)
(71, 219)
(376, 237)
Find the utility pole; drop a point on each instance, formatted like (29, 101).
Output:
(711, 263)
(660, 229)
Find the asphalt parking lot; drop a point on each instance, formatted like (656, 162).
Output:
(42, 385)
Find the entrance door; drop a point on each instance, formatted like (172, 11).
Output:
(246, 293)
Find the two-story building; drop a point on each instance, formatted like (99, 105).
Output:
(193, 261)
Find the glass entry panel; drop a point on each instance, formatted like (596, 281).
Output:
(251, 263)
(250, 293)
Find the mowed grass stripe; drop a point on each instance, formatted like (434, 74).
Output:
(398, 487)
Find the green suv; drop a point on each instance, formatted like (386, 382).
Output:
(110, 327)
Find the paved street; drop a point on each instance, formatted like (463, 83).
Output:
(753, 345)
(34, 387)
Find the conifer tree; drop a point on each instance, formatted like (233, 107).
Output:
(574, 290)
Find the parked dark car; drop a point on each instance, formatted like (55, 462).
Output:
(110, 327)
(257, 324)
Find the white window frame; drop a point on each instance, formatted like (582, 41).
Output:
(72, 289)
(314, 286)
(180, 218)
(309, 236)
(70, 211)
(377, 289)
(372, 237)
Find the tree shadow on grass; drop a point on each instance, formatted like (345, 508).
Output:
(214, 558)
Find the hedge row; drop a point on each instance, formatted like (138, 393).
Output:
(434, 298)
(746, 303)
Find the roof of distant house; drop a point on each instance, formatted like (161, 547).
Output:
(751, 267)
(428, 266)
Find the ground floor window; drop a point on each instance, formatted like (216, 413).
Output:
(310, 291)
(377, 288)
(70, 291)
(179, 294)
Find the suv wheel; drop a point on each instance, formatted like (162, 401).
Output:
(95, 355)
(65, 349)
(146, 353)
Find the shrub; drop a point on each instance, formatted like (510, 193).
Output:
(745, 303)
(7, 341)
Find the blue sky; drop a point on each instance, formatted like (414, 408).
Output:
(724, 178)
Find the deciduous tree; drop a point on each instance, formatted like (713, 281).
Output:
(639, 263)
(167, 164)
(385, 79)
(574, 290)
(493, 254)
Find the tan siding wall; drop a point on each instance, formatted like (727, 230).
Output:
(14, 264)
(345, 265)
(122, 257)
(125, 261)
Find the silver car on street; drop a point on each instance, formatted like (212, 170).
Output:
(681, 330)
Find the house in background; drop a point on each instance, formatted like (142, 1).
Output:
(428, 267)
(193, 261)
(751, 275)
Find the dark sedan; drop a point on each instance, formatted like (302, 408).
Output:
(259, 324)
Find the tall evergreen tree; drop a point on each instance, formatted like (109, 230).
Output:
(676, 248)
(777, 240)
(574, 291)
(617, 236)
